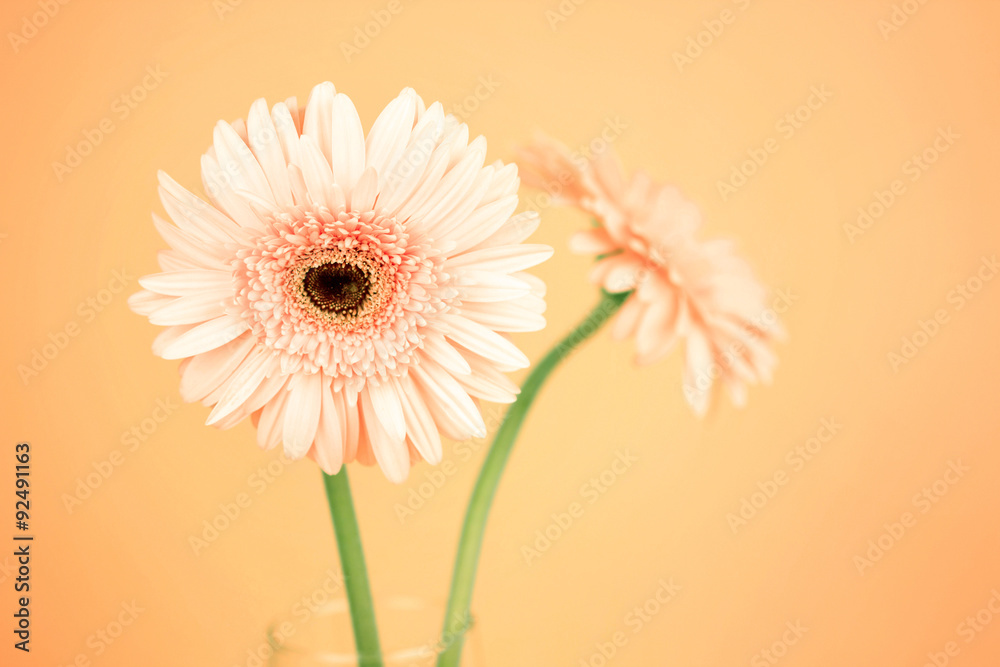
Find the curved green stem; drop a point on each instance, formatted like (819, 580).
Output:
(457, 618)
(352, 561)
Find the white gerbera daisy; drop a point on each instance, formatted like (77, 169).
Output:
(350, 294)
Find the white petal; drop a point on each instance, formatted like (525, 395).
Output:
(483, 223)
(505, 181)
(537, 284)
(144, 302)
(530, 302)
(191, 247)
(240, 127)
(316, 171)
(269, 386)
(319, 118)
(420, 426)
(200, 226)
(295, 112)
(242, 384)
(429, 184)
(193, 308)
(487, 383)
(180, 283)
(458, 142)
(421, 107)
(269, 427)
(391, 131)
(455, 219)
(514, 231)
(302, 414)
(204, 337)
(206, 372)
(453, 409)
(390, 451)
(288, 134)
(338, 199)
(384, 397)
(167, 337)
(455, 185)
(171, 260)
(402, 179)
(300, 193)
(365, 191)
(236, 158)
(330, 433)
(505, 317)
(442, 353)
(507, 258)
(352, 421)
(484, 342)
(218, 184)
(191, 213)
(487, 286)
(264, 143)
(347, 151)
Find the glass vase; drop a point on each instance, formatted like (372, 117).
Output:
(409, 631)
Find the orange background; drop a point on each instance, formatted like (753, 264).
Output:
(666, 517)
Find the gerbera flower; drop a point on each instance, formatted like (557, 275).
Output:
(683, 289)
(351, 294)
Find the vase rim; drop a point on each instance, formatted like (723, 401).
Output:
(338, 606)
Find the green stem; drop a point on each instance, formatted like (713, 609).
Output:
(352, 561)
(457, 619)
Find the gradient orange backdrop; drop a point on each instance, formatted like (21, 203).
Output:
(892, 78)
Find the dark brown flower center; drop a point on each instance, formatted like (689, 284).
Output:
(337, 288)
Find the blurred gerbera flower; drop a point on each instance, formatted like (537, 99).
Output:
(700, 292)
(349, 293)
